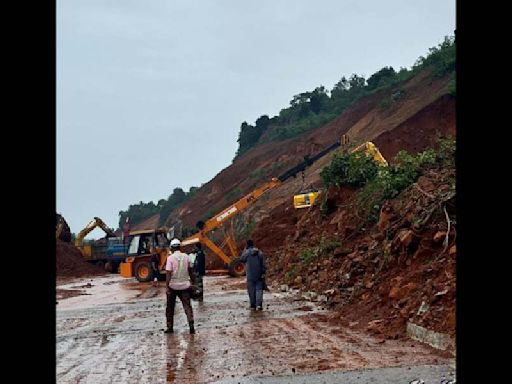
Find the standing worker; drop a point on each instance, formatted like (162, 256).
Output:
(199, 269)
(192, 260)
(179, 273)
(155, 266)
(255, 268)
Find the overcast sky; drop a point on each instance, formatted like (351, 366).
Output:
(151, 94)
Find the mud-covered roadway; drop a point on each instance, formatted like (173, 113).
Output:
(112, 332)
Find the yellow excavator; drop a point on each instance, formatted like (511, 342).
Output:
(370, 149)
(87, 249)
(309, 197)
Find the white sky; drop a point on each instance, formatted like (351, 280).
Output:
(151, 94)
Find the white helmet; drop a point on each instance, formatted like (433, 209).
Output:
(175, 243)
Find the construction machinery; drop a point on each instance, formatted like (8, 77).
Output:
(370, 149)
(106, 253)
(233, 263)
(306, 198)
(141, 245)
(309, 197)
(139, 265)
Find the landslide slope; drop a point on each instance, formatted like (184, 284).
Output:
(412, 122)
(374, 275)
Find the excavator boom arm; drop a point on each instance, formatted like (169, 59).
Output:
(370, 148)
(239, 206)
(250, 198)
(227, 213)
(97, 222)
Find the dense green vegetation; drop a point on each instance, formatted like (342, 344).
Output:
(352, 169)
(381, 183)
(310, 110)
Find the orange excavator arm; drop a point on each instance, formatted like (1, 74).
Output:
(239, 206)
(246, 201)
(222, 217)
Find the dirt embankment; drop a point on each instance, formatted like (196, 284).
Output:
(70, 262)
(377, 276)
(420, 130)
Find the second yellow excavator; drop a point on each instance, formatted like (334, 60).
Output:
(309, 197)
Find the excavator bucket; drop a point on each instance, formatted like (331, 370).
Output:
(305, 200)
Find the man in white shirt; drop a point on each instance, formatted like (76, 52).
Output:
(179, 273)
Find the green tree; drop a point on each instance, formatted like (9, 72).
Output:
(249, 135)
(356, 82)
(312, 109)
(262, 124)
(380, 77)
(340, 87)
(318, 99)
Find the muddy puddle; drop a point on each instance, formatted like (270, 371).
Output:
(115, 334)
(91, 292)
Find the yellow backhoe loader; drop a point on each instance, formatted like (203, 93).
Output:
(141, 246)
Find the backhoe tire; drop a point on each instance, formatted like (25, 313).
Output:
(100, 264)
(143, 272)
(236, 268)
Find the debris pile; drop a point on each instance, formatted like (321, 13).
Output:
(70, 262)
(65, 234)
(376, 275)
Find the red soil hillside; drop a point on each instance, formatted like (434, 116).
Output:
(409, 123)
(375, 275)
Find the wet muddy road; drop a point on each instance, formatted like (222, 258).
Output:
(113, 333)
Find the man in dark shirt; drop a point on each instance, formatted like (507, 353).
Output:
(199, 270)
(255, 268)
(155, 266)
